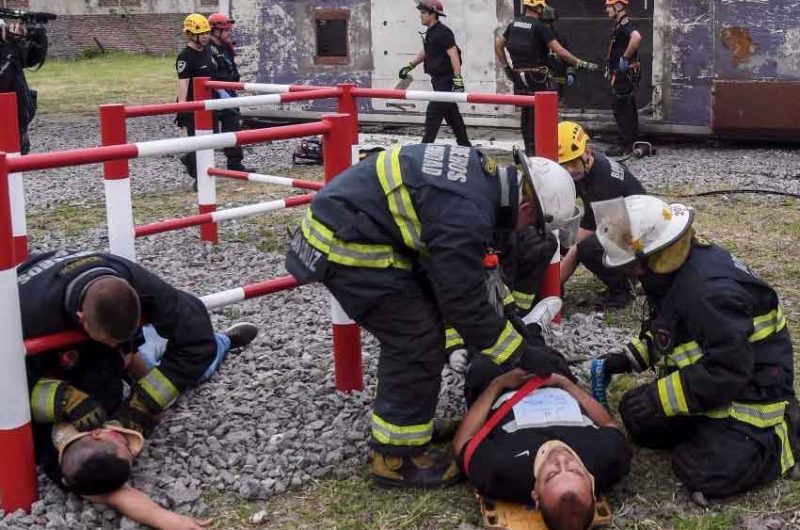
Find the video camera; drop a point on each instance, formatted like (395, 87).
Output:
(33, 43)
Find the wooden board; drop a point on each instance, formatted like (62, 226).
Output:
(504, 515)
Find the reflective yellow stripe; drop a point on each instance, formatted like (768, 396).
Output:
(43, 400)
(399, 200)
(762, 415)
(506, 344)
(452, 338)
(670, 393)
(524, 300)
(684, 355)
(766, 325)
(391, 434)
(374, 256)
(160, 389)
(787, 455)
(641, 348)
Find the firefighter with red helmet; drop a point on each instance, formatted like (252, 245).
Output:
(624, 70)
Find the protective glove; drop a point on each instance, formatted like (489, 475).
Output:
(639, 407)
(79, 409)
(404, 71)
(585, 65)
(617, 363)
(183, 119)
(570, 79)
(459, 360)
(137, 415)
(544, 361)
(509, 71)
(623, 65)
(458, 84)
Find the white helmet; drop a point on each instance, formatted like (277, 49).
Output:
(553, 188)
(638, 226)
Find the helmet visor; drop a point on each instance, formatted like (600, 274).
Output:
(615, 233)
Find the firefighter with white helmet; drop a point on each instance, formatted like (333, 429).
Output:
(399, 239)
(724, 401)
(597, 178)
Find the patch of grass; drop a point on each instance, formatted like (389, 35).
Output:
(713, 521)
(80, 85)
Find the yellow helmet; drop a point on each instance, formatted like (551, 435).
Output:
(196, 24)
(534, 3)
(572, 140)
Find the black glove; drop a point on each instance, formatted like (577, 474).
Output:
(183, 119)
(458, 84)
(137, 416)
(404, 71)
(544, 361)
(80, 410)
(639, 407)
(617, 363)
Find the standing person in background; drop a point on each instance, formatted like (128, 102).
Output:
(624, 72)
(227, 120)
(442, 60)
(561, 73)
(195, 60)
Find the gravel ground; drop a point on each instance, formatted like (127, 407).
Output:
(271, 419)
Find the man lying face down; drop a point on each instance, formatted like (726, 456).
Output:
(556, 449)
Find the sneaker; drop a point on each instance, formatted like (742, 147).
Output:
(614, 299)
(618, 150)
(426, 471)
(241, 334)
(544, 312)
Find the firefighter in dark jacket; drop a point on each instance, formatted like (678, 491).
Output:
(442, 60)
(624, 70)
(724, 400)
(108, 296)
(597, 178)
(399, 240)
(529, 42)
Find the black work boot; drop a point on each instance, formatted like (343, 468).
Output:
(426, 471)
(191, 169)
(241, 334)
(615, 298)
(238, 166)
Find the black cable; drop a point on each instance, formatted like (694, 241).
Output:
(731, 192)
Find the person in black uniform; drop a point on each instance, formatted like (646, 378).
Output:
(442, 60)
(16, 54)
(227, 120)
(399, 239)
(107, 296)
(624, 70)
(724, 402)
(561, 74)
(529, 42)
(597, 178)
(557, 466)
(195, 60)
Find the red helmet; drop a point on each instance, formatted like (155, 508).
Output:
(220, 21)
(434, 6)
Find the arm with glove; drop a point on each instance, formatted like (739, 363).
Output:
(56, 401)
(404, 71)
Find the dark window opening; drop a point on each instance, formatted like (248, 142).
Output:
(331, 29)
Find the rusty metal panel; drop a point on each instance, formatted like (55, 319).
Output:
(763, 108)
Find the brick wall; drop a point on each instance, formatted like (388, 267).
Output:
(158, 34)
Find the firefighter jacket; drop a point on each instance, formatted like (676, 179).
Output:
(720, 342)
(51, 288)
(433, 209)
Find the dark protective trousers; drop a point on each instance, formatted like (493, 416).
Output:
(224, 121)
(625, 111)
(399, 309)
(718, 457)
(528, 87)
(438, 111)
(590, 254)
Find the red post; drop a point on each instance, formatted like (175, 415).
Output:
(349, 105)
(206, 184)
(336, 152)
(116, 175)
(546, 131)
(10, 143)
(17, 466)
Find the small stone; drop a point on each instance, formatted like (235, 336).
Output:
(250, 490)
(38, 508)
(179, 494)
(258, 517)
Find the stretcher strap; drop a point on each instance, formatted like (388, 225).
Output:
(499, 414)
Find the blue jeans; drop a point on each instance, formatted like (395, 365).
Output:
(155, 346)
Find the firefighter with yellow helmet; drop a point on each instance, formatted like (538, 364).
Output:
(529, 41)
(724, 399)
(596, 178)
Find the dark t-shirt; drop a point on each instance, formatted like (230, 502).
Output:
(502, 465)
(438, 39)
(619, 42)
(526, 40)
(192, 63)
(608, 179)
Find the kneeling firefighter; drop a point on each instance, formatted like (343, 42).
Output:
(399, 239)
(724, 401)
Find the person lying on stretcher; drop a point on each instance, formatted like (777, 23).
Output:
(555, 449)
